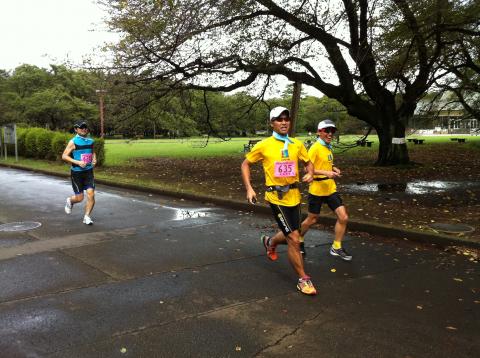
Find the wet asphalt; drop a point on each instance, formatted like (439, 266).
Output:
(162, 277)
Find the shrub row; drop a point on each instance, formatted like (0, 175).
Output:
(46, 144)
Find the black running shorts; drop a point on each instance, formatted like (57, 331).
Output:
(287, 217)
(82, 180)
(315, 202)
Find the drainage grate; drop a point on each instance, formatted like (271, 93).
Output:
(20, 226)
(452, 228)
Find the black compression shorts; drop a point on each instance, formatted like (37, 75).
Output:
(82, 180)
(315, 202)
(287, 217)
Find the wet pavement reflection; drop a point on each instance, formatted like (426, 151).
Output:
(420, 187)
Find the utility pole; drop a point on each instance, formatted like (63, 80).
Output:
(297, 89)
(100, 94)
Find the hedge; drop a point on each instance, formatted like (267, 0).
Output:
(58, 144)
(46, 144)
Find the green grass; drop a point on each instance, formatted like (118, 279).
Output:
(119, 152)
(54, 167)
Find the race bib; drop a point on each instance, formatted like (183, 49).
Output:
(284, 169)
(86, 158)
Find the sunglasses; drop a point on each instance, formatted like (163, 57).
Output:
(330, 130)
(281, 119)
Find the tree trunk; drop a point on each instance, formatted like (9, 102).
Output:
(297, 89)
(393, 148)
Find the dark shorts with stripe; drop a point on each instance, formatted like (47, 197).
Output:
(287, 217)
(82, 180)
(315, 202)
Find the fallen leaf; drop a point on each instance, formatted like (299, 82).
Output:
(451, 328)
(420, 307)
(458, 279)
(333, 270)
(238, 349)
(123, 350)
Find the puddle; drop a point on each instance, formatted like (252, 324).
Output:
(182, 214)
(20, 226)
(415, 187)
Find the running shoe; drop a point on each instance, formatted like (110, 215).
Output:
(68, 206)
(306, 287)
(340, 253)
(87, 220)
(271, 253)
(302, 249)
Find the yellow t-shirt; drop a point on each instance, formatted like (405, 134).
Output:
(322, 159)
(279, 170)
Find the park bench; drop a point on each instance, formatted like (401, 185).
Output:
(461, 140)
(453, 139)
(418, 141)
(248, 147)
(363, 143)
(410, 139)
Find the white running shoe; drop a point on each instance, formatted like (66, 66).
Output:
(87, 220)
(68, 206)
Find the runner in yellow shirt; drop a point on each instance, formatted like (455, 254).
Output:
(279, 155)
(324, 190)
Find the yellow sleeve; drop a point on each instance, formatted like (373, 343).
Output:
(256, 154)
(302, 153)
(312, 153)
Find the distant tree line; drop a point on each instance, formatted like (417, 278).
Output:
(54, 98)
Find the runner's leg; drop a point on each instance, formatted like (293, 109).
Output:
(341, 224)
(90, 201)
(308, 222)
(294, 255)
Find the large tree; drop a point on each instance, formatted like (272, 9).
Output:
(349, 50)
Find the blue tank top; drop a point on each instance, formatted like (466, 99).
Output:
(83, 151)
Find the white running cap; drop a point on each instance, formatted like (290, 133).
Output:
(325, 124)
(277, 111)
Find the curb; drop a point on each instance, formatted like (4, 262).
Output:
(353, 225)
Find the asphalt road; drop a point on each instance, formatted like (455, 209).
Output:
(158, 277)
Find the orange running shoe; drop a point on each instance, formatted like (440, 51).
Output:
(306, 287)
(271, 253)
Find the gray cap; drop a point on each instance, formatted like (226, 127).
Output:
(325, 124)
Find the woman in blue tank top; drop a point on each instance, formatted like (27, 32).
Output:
(80, 154)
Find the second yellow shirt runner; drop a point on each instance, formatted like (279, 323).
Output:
(322, 159)
(269, 151)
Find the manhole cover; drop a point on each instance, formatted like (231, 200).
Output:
(452, 228)
(20, 226)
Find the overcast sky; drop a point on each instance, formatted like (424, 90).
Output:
(40, 32)
(44, 32)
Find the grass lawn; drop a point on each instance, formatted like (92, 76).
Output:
(118, 152)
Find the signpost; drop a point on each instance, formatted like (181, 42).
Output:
(10, 137)
(100, 94)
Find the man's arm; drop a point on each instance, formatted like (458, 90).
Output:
(67, 158)
(251, 195)
(308, 178)
(331, 174)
